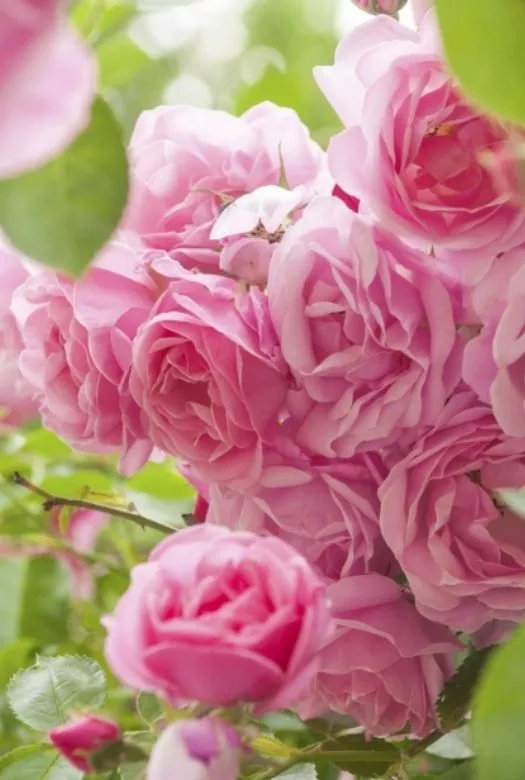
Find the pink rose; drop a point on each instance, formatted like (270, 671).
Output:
(462, 553)
(419, 9)
(78, 340)
(47, 84)
(189, 163)
(79, 739)
(208, 375)
(327, 510)
(207, 749)
(220, 617)
(411, 147)
(386, 665)
(16, 394)
(371, 344)
(391, 7)
(506, 165)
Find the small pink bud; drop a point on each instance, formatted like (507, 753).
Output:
(206, 749)
(506, 166)
(390, 7)
(79, 739)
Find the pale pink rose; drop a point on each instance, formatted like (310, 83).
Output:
(16, 394)
(47, 83)
(208, 375)
(82, 531)
(188, 164)
(328, 510)
(220, 617)
(462, 553)
(207, 749)
(419, 9)
(411, 148)
(371, 343)
(80, 738)
(494, 362)
(78, 340)
(386, 665)
(506, 165)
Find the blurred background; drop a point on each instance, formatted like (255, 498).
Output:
(227, 54)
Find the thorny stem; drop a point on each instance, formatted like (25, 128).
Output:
(50, 502)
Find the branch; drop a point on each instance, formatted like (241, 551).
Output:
(50, 502)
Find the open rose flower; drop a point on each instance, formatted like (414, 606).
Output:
(386, 665)
(462, 553)
(220, 617)
(207, 749)
(77, 350)
(80, 738)
(47, 83)
(207, 373)
(371, 344)
(188, 164)
(17, 402)
(411, 147)
(328, 510)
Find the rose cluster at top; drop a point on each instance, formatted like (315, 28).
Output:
(333, 346)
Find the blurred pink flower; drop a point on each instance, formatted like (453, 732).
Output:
(47, 83)
(220, 617)
(83, 736)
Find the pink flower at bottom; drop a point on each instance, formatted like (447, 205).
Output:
(386, 665)
(83, 736)
(220, 617)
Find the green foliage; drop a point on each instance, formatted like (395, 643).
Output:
(64, 213)
(498, 721)
(46, 695)
(36, 762)
(454, 702)
(484, 45)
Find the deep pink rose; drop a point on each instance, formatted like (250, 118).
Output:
(208, 374)
(16, 394)
(372, 345)
(47, 83)
(220, 617)
(207, 749)
(78, 340)
(188, 164)
(79, 739)
(328, 510)
(462, 553)
(411, 148)
(386, 665)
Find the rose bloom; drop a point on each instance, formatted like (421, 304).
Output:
(220, 617)
(206, 749)
(371, 344)
(188, 164)
(80, 738)
(386, 665)
(328, 510)
(47, 83)
(411, 147)
(77, 351)
(462, 553)
(16, 394)
(208, 375)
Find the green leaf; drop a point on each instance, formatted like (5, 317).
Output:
(454, 702)
(78, 483)
(514, 499)
(47, 444)
(115, 754)
(64, 213)
(13, 657)
(300, 772)
(162, 481)
(120, 60)
(463, 771)
(45, 695)
(36, 762)
(453, 746)
(149, 708)
(34, 599)
(498, 722)
(357, 755)
(484, 46)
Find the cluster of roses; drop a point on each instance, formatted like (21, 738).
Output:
(333, 346)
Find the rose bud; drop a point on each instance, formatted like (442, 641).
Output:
(79, 739)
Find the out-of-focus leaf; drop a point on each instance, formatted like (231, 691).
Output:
(36, 762)
(120, 60)
(300, 772)
(359, 756)
(149, 708)
(164, 511)
(99, 20)
(484, 46)
(13, 657)
(498, 721)
(78, 483)
(63, 213)
(34, 599)
(455, 746)
(161, 480)
(455, 699)
(47, 444)
(43, 696)
(514, 499)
